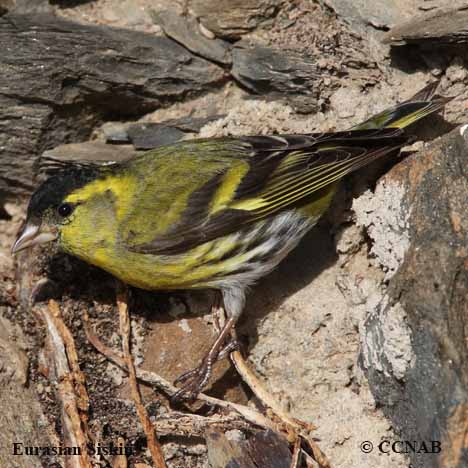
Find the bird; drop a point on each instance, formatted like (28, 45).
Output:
(213, 213)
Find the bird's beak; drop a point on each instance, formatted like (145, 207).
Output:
(31, 234)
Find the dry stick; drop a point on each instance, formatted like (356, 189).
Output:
(153, 443)
(60, 339)
(72, 355)
(296, 458)
(319, 456)
(195, 425)
(293, 426)
(249, 414)
(258, 388)
(309, 461)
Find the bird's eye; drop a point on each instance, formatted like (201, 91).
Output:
(65, 209)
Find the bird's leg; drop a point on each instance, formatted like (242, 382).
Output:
(219, 318)
(232, 345)
(232, 302)
(217, 313)
(197, 378)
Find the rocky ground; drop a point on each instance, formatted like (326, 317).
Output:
(332, 332)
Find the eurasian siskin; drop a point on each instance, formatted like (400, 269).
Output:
(209, 213)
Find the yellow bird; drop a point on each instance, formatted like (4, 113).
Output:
(209, 213)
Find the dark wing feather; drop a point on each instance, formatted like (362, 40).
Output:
(423, 103)
(283, 171)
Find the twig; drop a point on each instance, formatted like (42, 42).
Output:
(151, 378)
(296, 458)
(249, 377)
(293, 427)
(319, 456)
(64, 355)
(263, 395)
(72, 355)
(289, 424)
(195, 425)
(153, 443)
(309, 461)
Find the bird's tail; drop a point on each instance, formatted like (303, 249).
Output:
(423, 103)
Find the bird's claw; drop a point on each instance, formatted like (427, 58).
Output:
(233, 345)
(193, 381)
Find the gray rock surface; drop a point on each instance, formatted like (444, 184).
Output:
(233, 18)
(421, 381)
(25, 6)
(186, 31)
(377, 14)
(108, 72)
(22, 419)
(147, 135)
(269, 71)
(441, 26)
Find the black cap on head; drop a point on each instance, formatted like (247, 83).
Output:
(47, 208)
(55, 189)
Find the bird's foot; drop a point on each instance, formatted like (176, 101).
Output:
(232, 345)
(194, 380)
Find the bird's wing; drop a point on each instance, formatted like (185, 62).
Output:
(260, 176)
(254, 177)
(423, 103)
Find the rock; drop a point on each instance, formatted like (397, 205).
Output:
(443, 25)
(265, 449)
(186, 31)
(378, 14)
(233, 18)
(433, 4)
(456, 71)
(21, 416)
(145, 136)
(148, 135)
(414, 339)
(129, 11)
(62, 78)
(115, 132)
(95, 151)
(25, 6)
(178, 339)
(268, 71)
(13, 361)
(128, 14)
(6, 5)
(385, 217)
